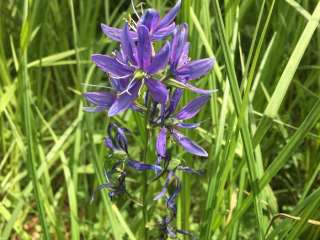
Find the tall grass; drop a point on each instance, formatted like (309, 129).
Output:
(261, 129)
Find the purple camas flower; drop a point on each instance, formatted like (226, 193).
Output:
(158, 28)
(136, 71)
(137, 67)
(172, 121)
(182, 69)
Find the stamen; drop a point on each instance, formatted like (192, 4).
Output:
(127, 89)
(122, 77)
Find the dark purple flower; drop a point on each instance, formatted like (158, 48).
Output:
(162, 142)
(115, 185)
(171, 121)
(158, 28)
(134, 66)
(182, 68)
(143, 166)
(116, 140)
(165, 186)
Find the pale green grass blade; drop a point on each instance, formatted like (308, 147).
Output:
(54, 59)
(24, 87)
(287, 75)
(299, 9)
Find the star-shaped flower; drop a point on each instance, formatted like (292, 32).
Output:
(134, 66)
(172, 121)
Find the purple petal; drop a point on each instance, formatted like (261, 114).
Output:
(188, 144)
(174, 100)
(195, 69)
(158, 90)
(115, 33)
(144, 47)
(161, 33)
(143, 166)
(192, 108)
(108, 142)
(171, 202)
(184, 57)
(160, 60)
(188, 125)
(165, 187)
(162, 142)
(128, 46)
(122, 139)
(170, 16)
(125, 100)
(104, 99)
(120, 84)
(111, 65)
(178, 43)
(150, 19)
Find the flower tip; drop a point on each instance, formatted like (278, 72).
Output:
(211, 61)
(178, 4)
(94, 57)
(203, 154)
(112, 112)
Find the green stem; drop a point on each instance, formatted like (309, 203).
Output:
(145, 160)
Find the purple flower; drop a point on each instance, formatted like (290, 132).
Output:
(116, 140)
(171, 121)
(158, 28)
(182, 68)
(143, 166)
(115, 185)
(102, 101)
(133, 67)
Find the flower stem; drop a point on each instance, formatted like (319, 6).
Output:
(145, 160)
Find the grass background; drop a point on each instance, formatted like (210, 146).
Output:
(261, 129)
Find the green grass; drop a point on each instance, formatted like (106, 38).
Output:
(261, 129)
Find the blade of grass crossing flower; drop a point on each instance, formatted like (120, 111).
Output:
(184, 198)
(245, 133)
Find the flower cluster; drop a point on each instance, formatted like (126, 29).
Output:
(151, 81)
